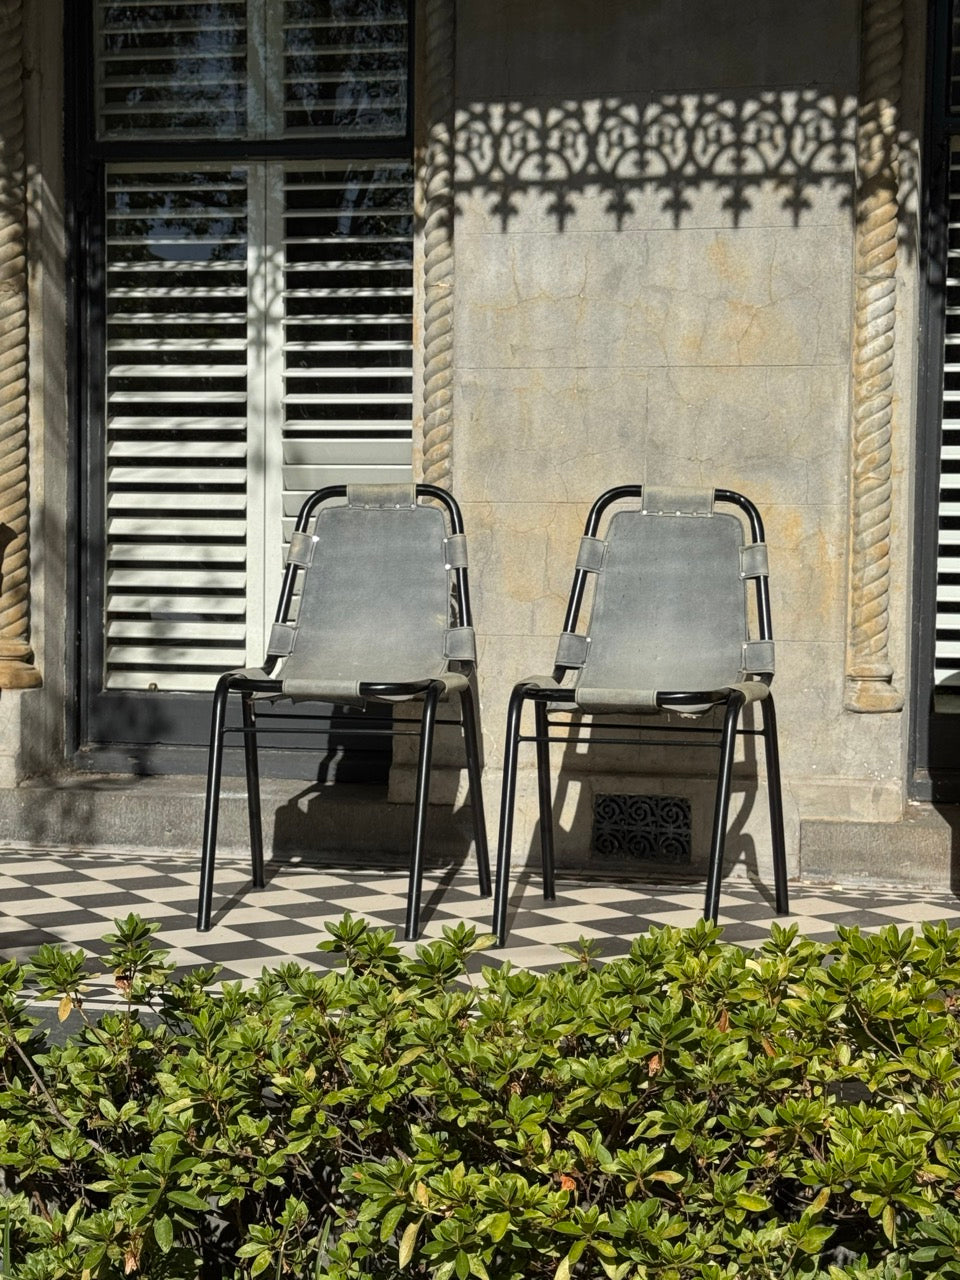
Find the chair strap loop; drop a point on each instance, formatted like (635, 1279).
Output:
(572, 649)
(455, 551)
(615, 700)
(282, 636)
(301, 549)
(460, 644)
(754, 561)
(590, 558)
(669, 502)
(758, 657)
(381, 495)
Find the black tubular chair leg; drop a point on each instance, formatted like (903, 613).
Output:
(545, 800)
(430, 699)
(728, 745)
(471, 742)
(253, 789)
(211, 806)
(508, 796)
(775, 797)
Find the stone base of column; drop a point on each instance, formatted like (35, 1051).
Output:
(16, 666)
(872, 693)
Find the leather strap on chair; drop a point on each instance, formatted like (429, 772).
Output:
(754, 561)
(590, 557)
(301, 549)
(282, 636)
(460, 644)
(381, 495)
(616, 699)
(758, 657)
(572, 649)
(455, 551)
(669, 502)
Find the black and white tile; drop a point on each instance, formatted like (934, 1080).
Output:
(73, 898)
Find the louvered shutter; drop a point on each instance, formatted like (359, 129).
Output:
(177, 442)
(259, 314)
(947, 644)
(348, 340)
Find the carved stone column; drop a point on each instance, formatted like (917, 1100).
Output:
(869, 674)
(438, 75)
(16, 657)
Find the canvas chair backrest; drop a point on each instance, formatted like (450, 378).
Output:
(375, 602)
(670, 608)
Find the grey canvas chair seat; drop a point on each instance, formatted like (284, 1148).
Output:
(383, 617)
(679, 622)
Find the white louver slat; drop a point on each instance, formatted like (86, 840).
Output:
(947, 645)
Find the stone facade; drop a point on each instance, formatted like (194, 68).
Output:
(649, 252)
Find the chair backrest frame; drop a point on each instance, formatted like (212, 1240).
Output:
(310, 510)
(634, 492)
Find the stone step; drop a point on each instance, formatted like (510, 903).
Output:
(921, 850)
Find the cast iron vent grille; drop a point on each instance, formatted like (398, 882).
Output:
(653, 827)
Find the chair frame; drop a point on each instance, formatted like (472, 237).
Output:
(430, 690)
(721, 738)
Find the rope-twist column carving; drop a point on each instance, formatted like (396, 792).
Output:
(16, 657)
(438, 65)
(869, 672)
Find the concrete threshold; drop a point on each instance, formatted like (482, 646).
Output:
(921, 850)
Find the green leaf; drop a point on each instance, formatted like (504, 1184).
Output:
(889, 1220)
(390, 1220)
(813, 1239)
(261, 1262)
(408, 1242)
(163, 1233)
(563, 1270)
(747, 1200)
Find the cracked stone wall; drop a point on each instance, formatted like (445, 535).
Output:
(653, 282)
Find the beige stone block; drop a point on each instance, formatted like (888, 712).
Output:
(544, 436)
(818, 738)
(808, 571)
(647, 202)
(849, 799)
(777, 434)
(533, 301)
(505, 659)
(671, 297)
(522, 558)
(749, 297)
(566, 47)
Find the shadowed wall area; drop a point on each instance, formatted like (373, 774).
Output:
(676, 159)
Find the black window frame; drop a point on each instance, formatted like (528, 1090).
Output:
(934, 739)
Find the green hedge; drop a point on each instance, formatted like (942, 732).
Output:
(692, 1111)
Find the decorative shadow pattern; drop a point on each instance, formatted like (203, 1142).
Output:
(651, 827)
(796, 142)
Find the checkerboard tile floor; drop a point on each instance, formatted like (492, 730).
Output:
(74, 897)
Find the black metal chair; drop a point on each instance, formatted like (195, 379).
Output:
(383, 617)
(670, 629)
